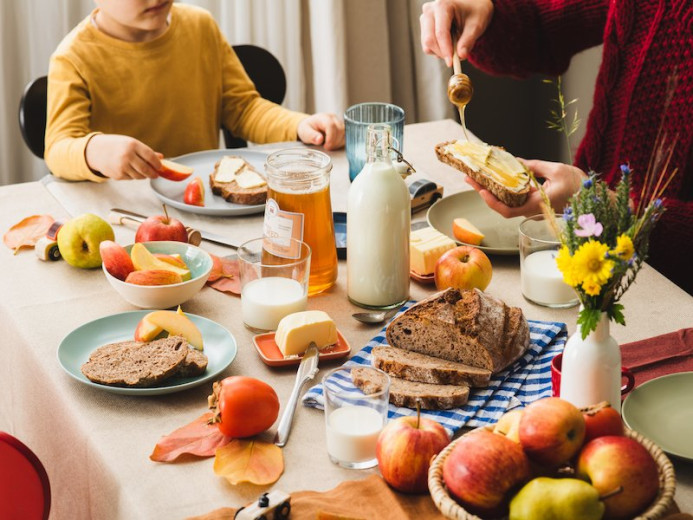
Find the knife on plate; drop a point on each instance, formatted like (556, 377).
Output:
(306, 371)
(127, 218)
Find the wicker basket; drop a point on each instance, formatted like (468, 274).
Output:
(658, 509)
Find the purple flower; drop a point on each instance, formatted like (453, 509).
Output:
(587, 183)
(625, 170)
(589, 227)
(568, 214)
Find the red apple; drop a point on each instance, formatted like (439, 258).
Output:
(601, 419)
(195, 193)
(153, 277)
(161, 227)
(174, 171)
(481, 470)
(404, 451)
(551, 431)
(615, 460)
(463, 267)
(116, 259)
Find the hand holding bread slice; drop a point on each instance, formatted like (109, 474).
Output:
(491, 166)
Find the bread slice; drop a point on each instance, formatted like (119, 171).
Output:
(194, 365)
(509, 182)
(135, 364)
(462, 326)
(413, 366)
(407, 393)
(225, 184)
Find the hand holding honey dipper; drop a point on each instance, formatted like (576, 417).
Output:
(460, 89)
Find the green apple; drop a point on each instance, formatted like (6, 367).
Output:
(79, 239)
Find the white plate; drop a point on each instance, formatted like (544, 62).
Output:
(75, 349)
(171, 192)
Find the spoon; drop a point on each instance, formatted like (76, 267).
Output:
(375, 316)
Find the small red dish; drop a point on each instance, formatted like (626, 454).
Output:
(271, 355)
(422, 278)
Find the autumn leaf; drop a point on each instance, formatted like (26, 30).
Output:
(253, 461)
(197, 438)
(27, 232)
(225, 275)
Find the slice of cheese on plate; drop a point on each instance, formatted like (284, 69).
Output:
(228, 168)
(296, 332)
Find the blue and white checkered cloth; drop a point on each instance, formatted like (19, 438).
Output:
(526, 380)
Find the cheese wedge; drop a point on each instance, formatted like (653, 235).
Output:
(426, 246)
(296, 332)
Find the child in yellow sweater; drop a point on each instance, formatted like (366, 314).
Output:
(142, 79)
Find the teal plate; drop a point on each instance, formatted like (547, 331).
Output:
(75, 349)
(661, 410)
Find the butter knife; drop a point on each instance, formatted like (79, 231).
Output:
(306, 371)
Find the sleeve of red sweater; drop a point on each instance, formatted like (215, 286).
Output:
(528, 37)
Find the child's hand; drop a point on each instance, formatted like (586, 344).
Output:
(122, 157)
(322, 129)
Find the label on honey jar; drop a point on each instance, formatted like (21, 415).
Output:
(279, 226)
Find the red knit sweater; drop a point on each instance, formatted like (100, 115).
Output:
(644, 41)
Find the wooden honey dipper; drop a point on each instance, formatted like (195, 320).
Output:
(460, 89)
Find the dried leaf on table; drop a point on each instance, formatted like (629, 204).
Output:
(225, 275)
(197, 438)
(253, 461)
(27, 232)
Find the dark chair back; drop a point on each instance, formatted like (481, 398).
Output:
(269, 78)
(261, 65)
(32, 115)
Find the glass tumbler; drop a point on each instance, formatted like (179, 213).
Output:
(299, 207)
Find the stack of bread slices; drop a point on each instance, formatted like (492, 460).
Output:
(444, 345)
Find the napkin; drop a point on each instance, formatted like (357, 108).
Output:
(526, 380)
(659, 356)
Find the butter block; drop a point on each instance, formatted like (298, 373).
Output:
(247, 179)
(296, 331)
(426, 246)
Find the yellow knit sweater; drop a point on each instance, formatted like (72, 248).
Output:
(172, 93)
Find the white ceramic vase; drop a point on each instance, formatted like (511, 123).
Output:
(591, 370)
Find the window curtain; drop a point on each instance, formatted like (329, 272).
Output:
(335, 53)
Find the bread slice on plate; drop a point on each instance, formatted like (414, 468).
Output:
(412, 366)
(491, 166)
(194, 365)
(135, 364)
(406, 393)
(468, 327)
(237, 181)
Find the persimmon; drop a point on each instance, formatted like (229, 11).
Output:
(243, 406)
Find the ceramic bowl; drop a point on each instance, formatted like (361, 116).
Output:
(164, 296)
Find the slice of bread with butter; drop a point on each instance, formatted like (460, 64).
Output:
(297, 331)
(491, 166)
(237, 181)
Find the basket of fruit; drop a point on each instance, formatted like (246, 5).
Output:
(552, 460)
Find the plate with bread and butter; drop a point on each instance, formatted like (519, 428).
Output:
(464, 216)
(233, 181)
(131, 353)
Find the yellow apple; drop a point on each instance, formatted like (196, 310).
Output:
(464, 267)
(177, 324)
(466, 232)
(79, 240)
(142, 259)
(146, 330)
(509, 424)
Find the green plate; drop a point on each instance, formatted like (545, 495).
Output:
(500, 234)
(75, 348)
(661, 410)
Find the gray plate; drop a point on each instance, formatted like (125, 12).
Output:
(500, 234)
(75, 349)
(171, 192)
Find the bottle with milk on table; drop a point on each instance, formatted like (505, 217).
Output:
(378, 227)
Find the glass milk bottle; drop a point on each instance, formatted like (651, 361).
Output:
(378, 227)
(298, 206)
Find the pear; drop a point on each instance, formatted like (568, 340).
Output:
(555, 499)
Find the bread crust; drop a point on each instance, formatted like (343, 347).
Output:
(502, 193)
(232, 192)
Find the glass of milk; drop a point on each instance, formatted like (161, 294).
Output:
(354, 419)
(542, 282)
(274, 280)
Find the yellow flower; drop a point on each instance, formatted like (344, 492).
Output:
(565, 265)
(591, 289)
(591, 265)
(624, 248)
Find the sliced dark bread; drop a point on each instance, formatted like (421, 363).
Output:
(194, 365)
(511, 196)
(407, 393)
(413, 366)
(463, 326)
(232, 192)
(135, 364)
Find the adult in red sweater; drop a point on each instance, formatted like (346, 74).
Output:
(645, 43)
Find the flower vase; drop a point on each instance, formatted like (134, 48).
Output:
(591, 370)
